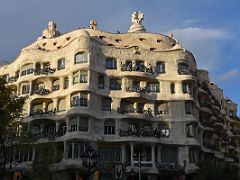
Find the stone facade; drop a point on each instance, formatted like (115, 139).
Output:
(125, 94)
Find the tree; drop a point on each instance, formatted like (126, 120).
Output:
(210, 170)
(10, 113)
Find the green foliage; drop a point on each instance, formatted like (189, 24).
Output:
(210, 171)
(46, 154)
(10, 107)
(10, 112)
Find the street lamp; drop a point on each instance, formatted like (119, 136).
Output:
(139, 155)
(88, 158)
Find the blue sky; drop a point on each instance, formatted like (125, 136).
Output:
(208, 28)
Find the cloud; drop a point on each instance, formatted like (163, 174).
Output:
(228, 75)
(206, 44)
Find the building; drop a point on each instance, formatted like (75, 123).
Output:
(126, 95)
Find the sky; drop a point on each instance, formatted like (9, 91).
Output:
(210, 29)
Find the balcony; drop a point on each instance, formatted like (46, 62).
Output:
(140, 133)
(40, 91)
(43, 112)
(170, 168)
(138, 68)
(45, 71)
(129, 109)
(186, 71)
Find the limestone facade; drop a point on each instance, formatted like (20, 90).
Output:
(125, 94)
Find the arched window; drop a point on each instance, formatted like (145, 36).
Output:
(81, 57)
(56, 85)
(25, 86)
(109, 127)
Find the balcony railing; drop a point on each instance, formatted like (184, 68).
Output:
(40, 91)
(186, 71)
(157, 133)
(138, 133)
(43, 112)
(127, 109)
(170, 167)
(137, 89)
(46, 71)
(139, 68)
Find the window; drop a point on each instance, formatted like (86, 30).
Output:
(56, 85)
(83, 99)
(81, 57)
(101, 82)
(188, 107)
(83, 124)
(62, 105)
(109, 154)
(27, 69)
(61, 64)
(186, 88)
(153, 87)
(109, 127)
(163, 128)
(75, 77)
(115, 84)
(193, 155)
(161, 109)
(106, 104)
(169, 155)
(140, 66)
(25, 89)
(66, 83)
(160, 67)
(172, 88)
(79, 149)
(83, 76)
(190, 130)
(111, 63)
(75, 101)
(183, 68)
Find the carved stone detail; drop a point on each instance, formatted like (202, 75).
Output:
(137, 26)
(93, 24)
(51, 31)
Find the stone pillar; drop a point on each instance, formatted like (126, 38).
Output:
(124, 84)
(64, 150)
(183, 155)
(57, 126)
(73, 144)
(159, 154)
(123, 148)
(132, 149)
(61, 82)
(153, 155)
(77, 175)
(70, 80)
(41, 128)
(33, 154)
(55, 103)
